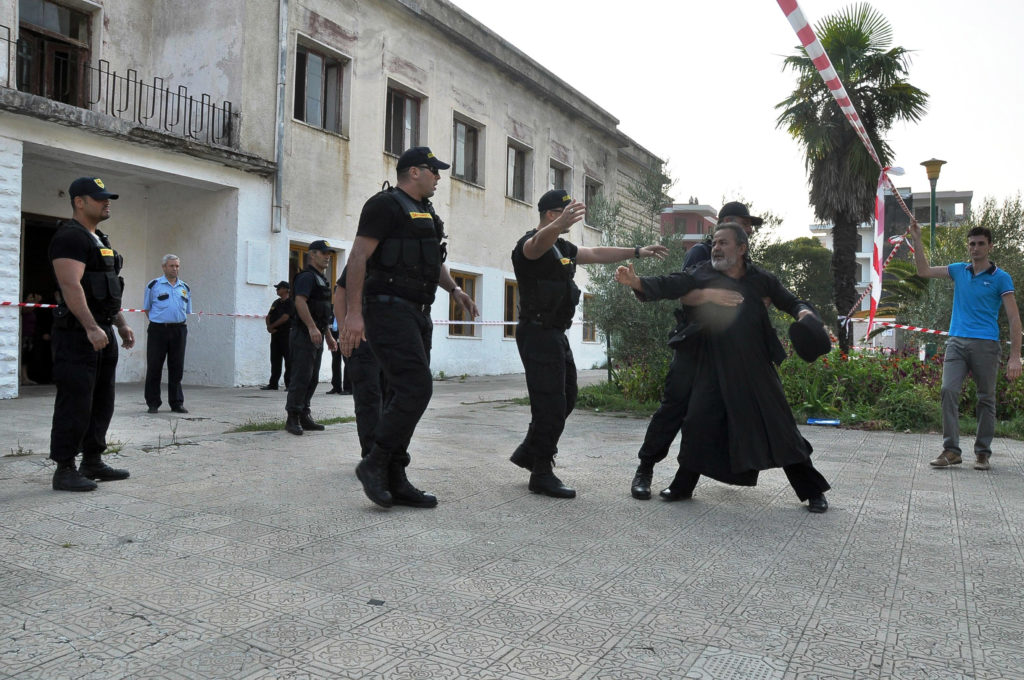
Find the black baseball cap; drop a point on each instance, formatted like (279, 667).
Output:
(282, 284)
(737, 209)
(92, 187)
(420, 155)
(554, 200)
(322, 246)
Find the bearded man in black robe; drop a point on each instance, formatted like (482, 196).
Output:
(737, 422)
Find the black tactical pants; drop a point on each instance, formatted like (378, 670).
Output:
(165, 341)
(551, 383)
(399, 334)
(368, 392)
(305, 369)
(668, 419)
(85, 393)
(805, 479)
(279, 353)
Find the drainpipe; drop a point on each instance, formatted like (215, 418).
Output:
(277, 209)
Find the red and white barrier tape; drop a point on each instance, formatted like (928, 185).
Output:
(911, 328)
(816, 53)
(436, 322)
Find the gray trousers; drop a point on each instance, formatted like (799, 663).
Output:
(981, 358)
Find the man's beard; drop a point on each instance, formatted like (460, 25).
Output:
(723, 263)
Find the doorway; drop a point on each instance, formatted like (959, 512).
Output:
(38, 284)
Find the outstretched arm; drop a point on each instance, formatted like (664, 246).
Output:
(924, 269)
(541, 242)
(609, 254)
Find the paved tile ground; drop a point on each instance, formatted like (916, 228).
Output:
(257, 556)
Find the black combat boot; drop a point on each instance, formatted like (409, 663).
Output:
(641, 487)
(307, 422)
(93, 467)
(372, 472)
(67, 478)
(292, 424)
(544, 481)
(404, 493)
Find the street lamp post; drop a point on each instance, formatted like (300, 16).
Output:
(932, 167)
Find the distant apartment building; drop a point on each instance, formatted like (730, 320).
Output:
(688, 222)
(239, 132)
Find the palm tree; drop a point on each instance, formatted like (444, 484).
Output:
(843, 176)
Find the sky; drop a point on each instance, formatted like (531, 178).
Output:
(696, 83)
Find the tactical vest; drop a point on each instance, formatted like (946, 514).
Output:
(101, 282)
(319, 301)
(409, 260)
(547, 293)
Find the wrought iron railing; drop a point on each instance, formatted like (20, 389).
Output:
(151, 104)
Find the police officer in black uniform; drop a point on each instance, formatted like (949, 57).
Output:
(368, 382)
(85, 352)
(396, 265)
(278, 325)
(545, 264)
(312, 294)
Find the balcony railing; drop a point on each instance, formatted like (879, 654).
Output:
(151, 104)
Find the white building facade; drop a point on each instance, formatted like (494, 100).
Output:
(237, 135)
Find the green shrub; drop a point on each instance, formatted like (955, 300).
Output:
(908, 406)
(642, 381)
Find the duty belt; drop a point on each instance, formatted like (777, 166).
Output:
(397, 300)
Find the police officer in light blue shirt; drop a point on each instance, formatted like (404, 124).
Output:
(167, 302)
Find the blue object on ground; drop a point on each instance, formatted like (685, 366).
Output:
(822, 421)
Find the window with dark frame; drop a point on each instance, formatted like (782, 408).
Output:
(53, 52)
(319, 78)
(467, 282)
(511, 307)
(516, 172)
(465, 154)
(591, 193)
(556, 176)
(402, 121)
(589, 327)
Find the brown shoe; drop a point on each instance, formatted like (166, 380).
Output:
(946, 459)
(982, 462)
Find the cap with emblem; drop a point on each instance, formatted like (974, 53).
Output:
(556, 199)
(322, 246)
(92, 187)
(420, 155)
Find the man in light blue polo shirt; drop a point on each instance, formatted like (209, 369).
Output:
(167, 301)
(979, 288)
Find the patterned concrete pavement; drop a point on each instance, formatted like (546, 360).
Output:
(257, 556)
